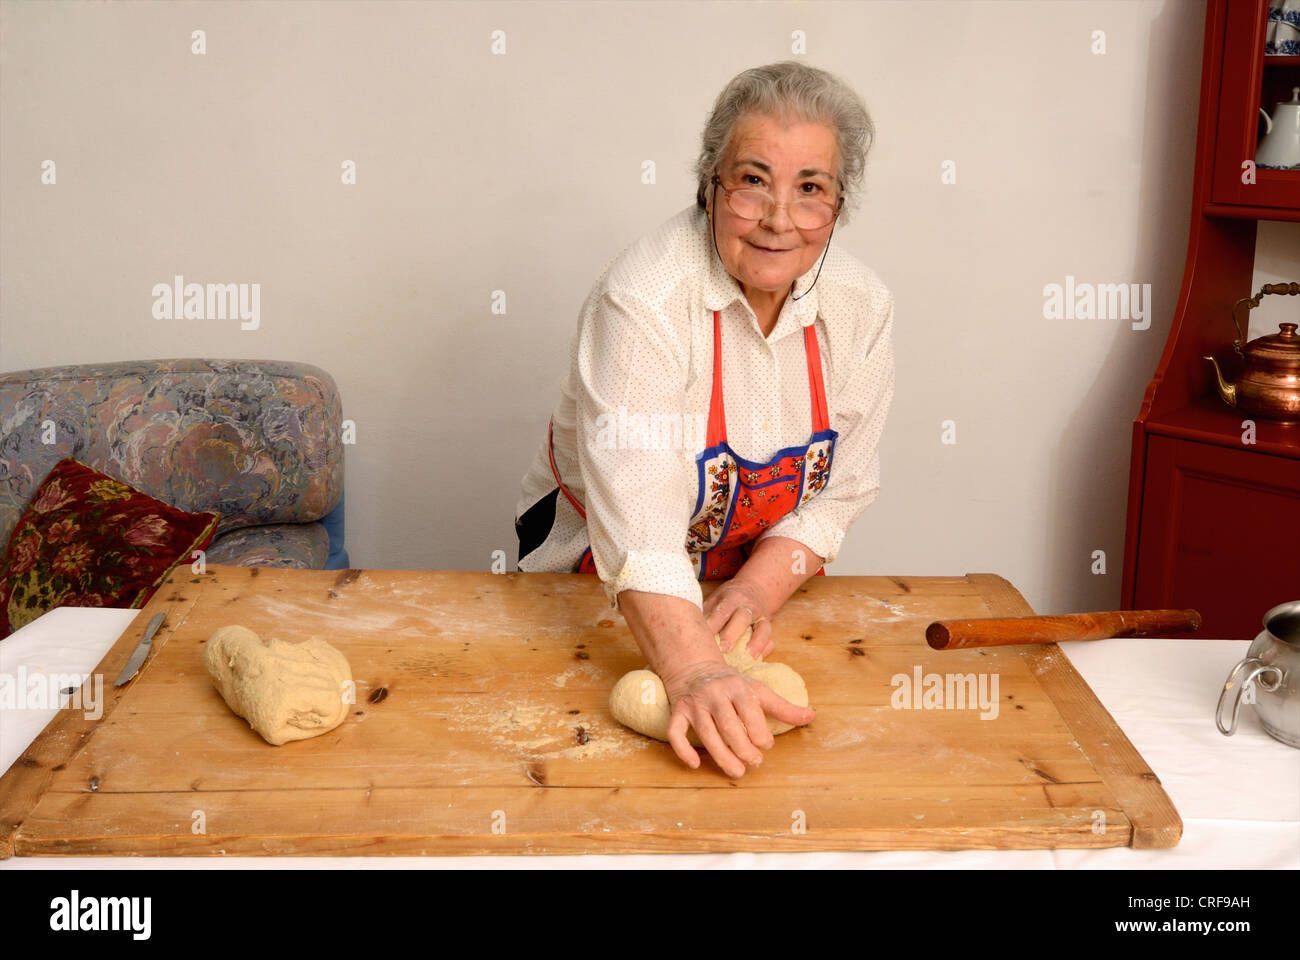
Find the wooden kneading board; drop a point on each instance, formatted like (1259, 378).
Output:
(474, 691)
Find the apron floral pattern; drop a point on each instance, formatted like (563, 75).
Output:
(738, 498)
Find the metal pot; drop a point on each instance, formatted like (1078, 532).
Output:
(1271, 671)
(1268, 385)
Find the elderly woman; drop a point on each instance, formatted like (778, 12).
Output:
(728, 384)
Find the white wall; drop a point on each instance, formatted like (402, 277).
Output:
(522, 172)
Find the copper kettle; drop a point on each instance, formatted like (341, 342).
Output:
(1268, 386)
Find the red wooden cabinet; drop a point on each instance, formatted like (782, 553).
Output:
(1248, 82)
(1209, 521)
(1214, 521)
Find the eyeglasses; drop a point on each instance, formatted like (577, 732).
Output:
(807, 213)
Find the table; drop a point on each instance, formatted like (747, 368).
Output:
(1223, 828)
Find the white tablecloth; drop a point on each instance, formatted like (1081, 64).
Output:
(1239, 796)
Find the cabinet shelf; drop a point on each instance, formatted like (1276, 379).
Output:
(1210, 420)
(1234, 211)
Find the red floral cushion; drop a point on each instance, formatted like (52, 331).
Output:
(89, 540)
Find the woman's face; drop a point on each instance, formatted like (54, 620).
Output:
(786, 162)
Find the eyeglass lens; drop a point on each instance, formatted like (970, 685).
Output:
(756, 205)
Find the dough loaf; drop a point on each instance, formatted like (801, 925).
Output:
(639, 701)
(286, 691)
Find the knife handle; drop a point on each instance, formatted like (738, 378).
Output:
(1101, 625)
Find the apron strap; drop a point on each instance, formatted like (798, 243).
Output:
(717, 431)
(550, 453)
(820, 416)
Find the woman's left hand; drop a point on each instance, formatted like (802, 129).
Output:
(734, 606)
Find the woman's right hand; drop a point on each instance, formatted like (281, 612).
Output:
(728, 712)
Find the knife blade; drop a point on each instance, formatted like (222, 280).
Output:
(141, 651)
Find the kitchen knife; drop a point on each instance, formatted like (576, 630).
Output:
(1001, 631)
(141, 651)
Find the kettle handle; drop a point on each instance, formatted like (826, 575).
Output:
(1254, 667)
(1283, 288)
(1268, 122)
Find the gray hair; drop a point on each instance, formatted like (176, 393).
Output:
(790, 91)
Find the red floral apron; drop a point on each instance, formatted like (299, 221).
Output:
(739, 498)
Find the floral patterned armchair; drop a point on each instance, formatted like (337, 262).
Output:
(257, 441)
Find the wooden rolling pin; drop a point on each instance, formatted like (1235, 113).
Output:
(1002, 631)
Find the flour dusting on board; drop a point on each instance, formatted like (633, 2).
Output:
(542, 729)
(585, 670)
(530, 728)
(322, 616)
(896, 612)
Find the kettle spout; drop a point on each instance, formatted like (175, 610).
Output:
(1228, 391)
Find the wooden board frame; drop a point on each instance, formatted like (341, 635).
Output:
(1059, 773)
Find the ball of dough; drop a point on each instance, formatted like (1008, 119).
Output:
(639, 700)
(739, 657)
(785, 683)
(286, 691)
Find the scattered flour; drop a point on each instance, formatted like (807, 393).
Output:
(536, 729)
(584, 669)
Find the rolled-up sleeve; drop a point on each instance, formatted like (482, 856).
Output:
(638, 490)
(858, 412)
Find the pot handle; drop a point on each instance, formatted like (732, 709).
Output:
(1283, 288)
(1254, 668)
